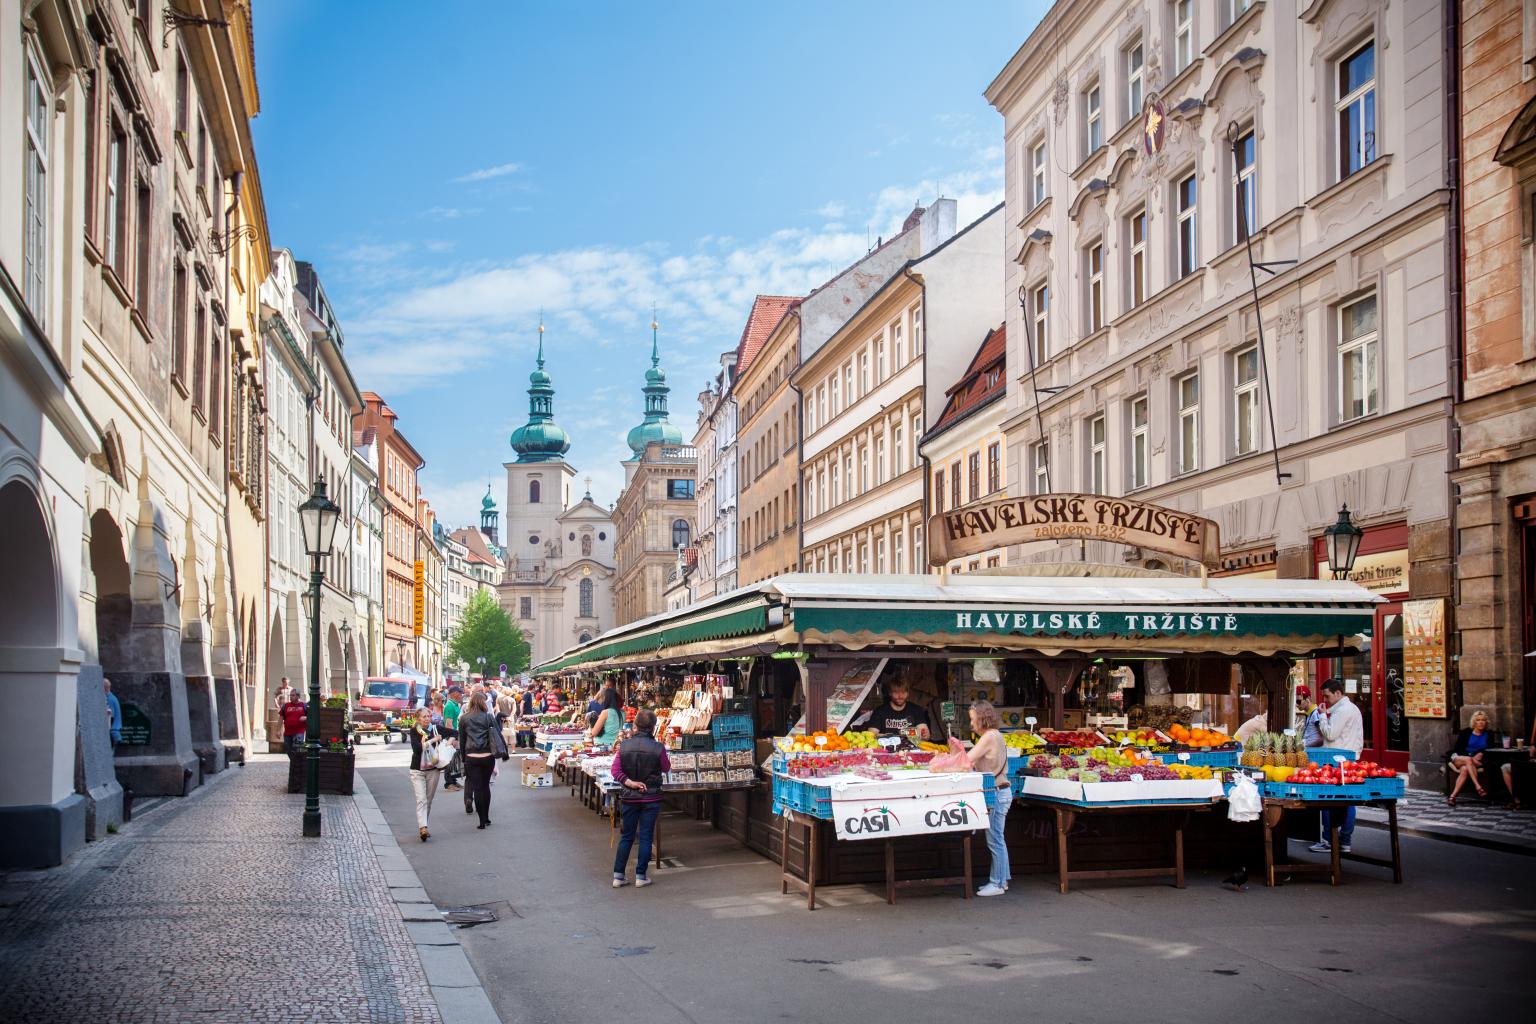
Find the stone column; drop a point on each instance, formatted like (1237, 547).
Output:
(228, 706)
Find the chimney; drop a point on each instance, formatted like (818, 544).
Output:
(936, 225)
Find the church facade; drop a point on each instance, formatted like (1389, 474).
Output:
(559, 553)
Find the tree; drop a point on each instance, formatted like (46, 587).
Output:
(488, 632)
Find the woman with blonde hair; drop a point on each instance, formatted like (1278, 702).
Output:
(990, 754)
(1466, 758)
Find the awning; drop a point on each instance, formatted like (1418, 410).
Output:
(738, 615)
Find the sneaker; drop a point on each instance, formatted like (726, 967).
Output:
(990, 890)
(452, 787)
(619, 883)
(1322, 846)
(1344, 848)
(641, 881)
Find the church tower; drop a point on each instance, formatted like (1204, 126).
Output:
(490, 519)
(538, 480)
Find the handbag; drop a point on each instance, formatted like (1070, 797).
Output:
(499, 745)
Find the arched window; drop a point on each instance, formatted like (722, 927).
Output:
(679, 533)
(585, 638)
(533, 492)
(586, 599)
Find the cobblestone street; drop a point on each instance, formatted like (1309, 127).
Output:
(214, 908)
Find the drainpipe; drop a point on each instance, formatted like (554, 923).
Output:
(1456, 349)
(917, 446)
(799, 453)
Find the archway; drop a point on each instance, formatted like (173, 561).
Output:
(276, 661)
(354, 682)
(335, 678)
(29, 606)
(114, 605)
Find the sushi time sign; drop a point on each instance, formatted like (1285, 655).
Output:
(993, 524)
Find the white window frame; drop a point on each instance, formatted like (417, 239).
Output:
(1040, 467)
(1135, 78)
(848, 396)
(1368, 346)
(1093, 269)
(1037, 174)
(1187, 236)
(835, 385)
(1098, 477)
(880, 373)
(896, 563)
(898, 347)
(916, 312)
(1183, 34)
(837, 488)
(1363, 96)
(1040, 315)
(1236, 9)
(37, 113)
(898, 451)
(1139, 464)
(879, 460)
(917, 547)
(880, 554)
(1188, 404)
(1093, 119)
(863, 373)
(1138, 273)
(1245, 403)
(1245, 190)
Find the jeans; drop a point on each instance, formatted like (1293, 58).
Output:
(477, 780)
(424, 785)
(637, 818)
(1346, 827)
(294, 743)
(998, 820)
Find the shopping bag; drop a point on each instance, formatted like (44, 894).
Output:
(1244, 802)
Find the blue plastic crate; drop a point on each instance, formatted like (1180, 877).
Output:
(1302, 791)
(731, 725)
(1203, 758)
(735, 743)
(1394, 788)
(818, 801)
(1325, 755)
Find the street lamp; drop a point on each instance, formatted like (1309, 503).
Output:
(346, 645)
(1342, 541)
(481, 660)
(317, 521)
(400, 656)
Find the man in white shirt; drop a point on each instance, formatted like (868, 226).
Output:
(1341, 727)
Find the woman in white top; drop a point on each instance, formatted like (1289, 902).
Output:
(990, 754)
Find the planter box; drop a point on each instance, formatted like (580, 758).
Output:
(333, 723)
(335, 772)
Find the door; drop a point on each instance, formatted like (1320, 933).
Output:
(1386, 726)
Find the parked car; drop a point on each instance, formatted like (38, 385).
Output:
(387, 705)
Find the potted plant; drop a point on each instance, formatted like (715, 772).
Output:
(335, 715)
(337, 762)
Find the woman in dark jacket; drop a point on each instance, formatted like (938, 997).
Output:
(424, 776)
(1466, 758)
(478, 733)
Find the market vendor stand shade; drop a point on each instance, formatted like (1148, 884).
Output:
(317, 521)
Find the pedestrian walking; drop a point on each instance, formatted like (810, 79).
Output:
(451, 712)
(425, 773)
(480, 745)
(284, 694)
(638, 767)
(295, 722)
(990, 754)
(114, 714)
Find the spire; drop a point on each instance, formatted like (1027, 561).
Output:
(655, 427)
(541, 337)
(540, 439)
(655, 355)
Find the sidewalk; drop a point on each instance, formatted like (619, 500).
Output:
(215, 908)
(1492, 826)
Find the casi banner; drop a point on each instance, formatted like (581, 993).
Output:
(873, 816)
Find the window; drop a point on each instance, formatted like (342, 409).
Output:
(1188, 387)
(879, 554)
(879, 461)
(1189, 239)
(182, 83)
(117, 189)
(810, 415)
(864, 557)
(1041, 466)
(525, 607)
(1357, 359)
(917, 330)
(898, 452)
(1356, 109)
(863, 373)
(848, 475)
(1245, 408)
(199, 333)
(1095, 274)
(1136, 231)
(1093, 121)
(1097, 477)
(834, 560)
(848, 395)
(584, 589)
(837, 493)
(1133, 80)
(1245, 188)
(896, 565)
(810, 494)
(898, 347)
(938, 490)
(973, 472)
(834, 394)
(1040, 309)
(821, 405)
(144, 232)
(1037, 177)
(917, 548)
(680, 490)
(994, 467)
(819, 504)
(179, 320)
(863, 468)
(1139, 443)
(39, 111)
(1183, 34)
(880, 359)
(1236, 8)
(533, 492)
(954, 485)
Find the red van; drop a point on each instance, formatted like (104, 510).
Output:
(387, 705)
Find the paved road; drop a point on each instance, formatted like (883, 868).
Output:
(713, 941)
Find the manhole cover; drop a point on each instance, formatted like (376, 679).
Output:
(468, 917)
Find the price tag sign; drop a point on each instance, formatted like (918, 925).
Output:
(889, 741)
(821, 741)
(1137, 777)
(1030, 721)
(1184, 757)
(1290, 732)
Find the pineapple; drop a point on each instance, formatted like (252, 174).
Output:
(1266, 749)
(1251, 757)
(1299, 757)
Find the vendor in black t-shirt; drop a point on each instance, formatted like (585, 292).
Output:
(897, 715)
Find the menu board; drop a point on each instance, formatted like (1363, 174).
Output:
(848, 695)
(1425, 683)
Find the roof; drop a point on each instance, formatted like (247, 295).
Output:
(984, 381)
(767, 311)
(1045, 613)
(474, 541)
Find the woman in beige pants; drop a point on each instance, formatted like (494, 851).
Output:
(424, 771)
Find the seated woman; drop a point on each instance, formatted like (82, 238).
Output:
(1466, 759)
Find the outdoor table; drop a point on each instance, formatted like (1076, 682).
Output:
(1274, 810)
(813, 825)
(1066, 817)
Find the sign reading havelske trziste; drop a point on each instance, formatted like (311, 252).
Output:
(972, 529)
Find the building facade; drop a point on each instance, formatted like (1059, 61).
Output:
(655, 512)
(399, 463)
(963, 450)
(767, 475)
(714, 438)
(1143, 151)
(1495, 475)
(427, 600)
(365, 551)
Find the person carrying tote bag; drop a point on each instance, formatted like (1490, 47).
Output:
(430, 754)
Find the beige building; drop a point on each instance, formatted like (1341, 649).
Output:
(768, 490)
(1143, 142)
(1496, 411)
(866, 401)
(964, 448)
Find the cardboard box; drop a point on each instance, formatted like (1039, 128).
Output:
(538, 780)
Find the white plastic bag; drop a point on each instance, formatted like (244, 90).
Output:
(1244, 802)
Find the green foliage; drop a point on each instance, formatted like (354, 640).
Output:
(488, 631)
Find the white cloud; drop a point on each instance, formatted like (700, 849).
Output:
(835, 210)
(487, 173)
(449, 212)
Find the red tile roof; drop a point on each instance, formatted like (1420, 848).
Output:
(767, 311)
(474, 541)
(985, 379)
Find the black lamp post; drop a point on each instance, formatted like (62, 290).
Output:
(346, 645)
(400, 656)
(1342, 541)
(317, 520)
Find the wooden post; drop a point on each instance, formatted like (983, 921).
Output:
(1058, 674)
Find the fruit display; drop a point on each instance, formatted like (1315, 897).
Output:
(1274, 749)
(1349, 773)
(1192, 771)
(1143, 737)
(1094, 769)
(824, 764)
(1199, 739)
(831, 740)
(1015, 741)
(1160, 716)
(1078, 738)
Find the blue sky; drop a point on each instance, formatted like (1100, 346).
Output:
(450, 168)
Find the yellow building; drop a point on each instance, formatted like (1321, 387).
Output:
(767, 447)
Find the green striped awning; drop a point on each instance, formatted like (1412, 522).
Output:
(736, 618)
